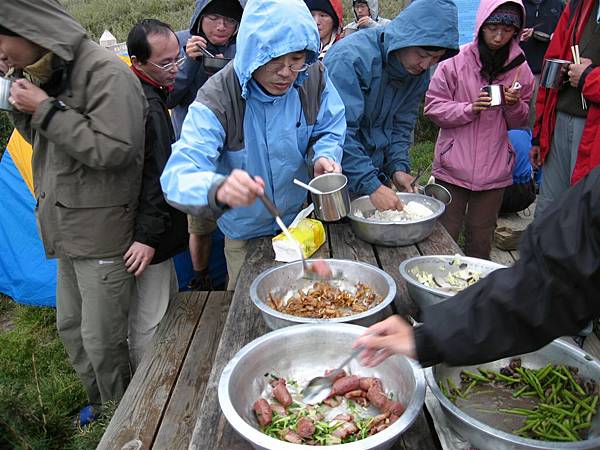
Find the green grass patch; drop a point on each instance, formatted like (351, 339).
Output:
(39, 391)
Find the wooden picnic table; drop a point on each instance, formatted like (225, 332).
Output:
(172, 401)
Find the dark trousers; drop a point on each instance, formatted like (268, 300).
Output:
(478, 210)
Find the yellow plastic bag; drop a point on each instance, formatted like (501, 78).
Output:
(309, 233)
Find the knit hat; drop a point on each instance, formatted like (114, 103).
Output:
(506, 14)
(325, 6)
(6, 32)
(227, 8)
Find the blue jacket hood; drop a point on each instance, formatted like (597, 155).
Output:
(424, 23)
(272, 28)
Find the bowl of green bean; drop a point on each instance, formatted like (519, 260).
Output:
(540, 400)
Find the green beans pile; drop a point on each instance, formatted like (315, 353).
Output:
(566, 403)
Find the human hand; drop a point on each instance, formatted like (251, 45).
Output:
(526, 34)
(363, 22)
(512, 96)
(403, 181)
(385, 198)
(535, 157)
(193, 47)
(392, 336)
(326, 165)
(240, 189)
(576, 70)
(138, 257)
(321, 268)
(482, 103)
(4, 67)
(25, 96)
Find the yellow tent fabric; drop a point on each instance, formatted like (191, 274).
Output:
(20, 152)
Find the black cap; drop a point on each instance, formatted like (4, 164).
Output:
(227, 8)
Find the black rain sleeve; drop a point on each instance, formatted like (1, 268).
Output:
(553, 290)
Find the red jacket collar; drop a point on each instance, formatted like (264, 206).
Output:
(142, 76)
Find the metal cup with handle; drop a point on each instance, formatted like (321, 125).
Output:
(5, 85)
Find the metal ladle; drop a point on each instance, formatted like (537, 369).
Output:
(319, 388)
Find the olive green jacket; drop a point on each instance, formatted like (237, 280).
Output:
(87, 157)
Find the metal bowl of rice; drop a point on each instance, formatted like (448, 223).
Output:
(395, 228)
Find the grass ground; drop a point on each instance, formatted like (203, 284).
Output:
(39, 391)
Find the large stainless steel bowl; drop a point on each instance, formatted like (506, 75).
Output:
(439, 266)
(486, 437)
(281, 279)
(303, 352)
(394, 234)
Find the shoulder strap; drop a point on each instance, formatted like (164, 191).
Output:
(310, 92)
(222, 94)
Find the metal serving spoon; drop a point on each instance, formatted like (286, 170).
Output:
(319, 388)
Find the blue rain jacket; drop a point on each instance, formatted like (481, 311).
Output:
(192, 76)
(382, 99)
(276, 135)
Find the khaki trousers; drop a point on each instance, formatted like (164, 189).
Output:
(92, 305)
(156, 287)
(235, 255)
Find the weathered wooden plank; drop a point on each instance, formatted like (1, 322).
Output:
(439, 243)
(345, 244)
(143, 404)
(180, 416)
(389, 260)
(592, 346)
(243, 324)
(501, 256)
(419, 435)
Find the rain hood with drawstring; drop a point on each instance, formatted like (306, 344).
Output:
(275, 133)
(88, 154)
(192, 75)
(382, 99)
(374, 19)
(473, 149)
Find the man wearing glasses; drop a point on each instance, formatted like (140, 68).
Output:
(83, 112)
(382, 74)
(212, 31)
(160, 229)
(256, 125)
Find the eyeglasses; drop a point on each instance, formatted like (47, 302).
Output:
(226, 21)
(170, 66)
(494, 30)
(278, 66)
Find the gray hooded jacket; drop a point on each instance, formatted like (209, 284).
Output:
(87, 156)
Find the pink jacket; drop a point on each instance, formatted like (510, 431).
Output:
(473, 150)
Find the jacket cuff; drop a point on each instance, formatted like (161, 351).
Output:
(215, 206)
(584, 75)
(140, 236)
(427, 354)
(43, 109)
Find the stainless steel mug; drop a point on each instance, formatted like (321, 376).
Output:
(554, 73)
(334, 202)
(5, 85)
(495, 92)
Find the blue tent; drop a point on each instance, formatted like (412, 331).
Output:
(25, 273)
(467, 10)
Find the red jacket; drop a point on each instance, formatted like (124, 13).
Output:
(560, 47)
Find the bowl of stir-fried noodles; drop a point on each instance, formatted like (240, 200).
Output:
(358, 293)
